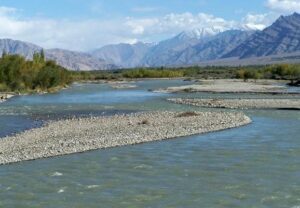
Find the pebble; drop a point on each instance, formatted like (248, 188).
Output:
(80, 135)
(293, 104)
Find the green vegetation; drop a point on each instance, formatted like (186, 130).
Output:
(20, 75)
(187, 72)
(279, 72)
(153, 73)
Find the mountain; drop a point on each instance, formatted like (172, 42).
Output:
(69, 59)
(200, 33)
(215, 45)
(77, 61)
(282, 37)
(123, 55)
(18, 47)
(213, 49)
(168, 51)
(278, 43)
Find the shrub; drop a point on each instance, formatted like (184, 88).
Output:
(18, 74)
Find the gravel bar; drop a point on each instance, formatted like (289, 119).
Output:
(84, 134)
(292, 104)
(231, 86)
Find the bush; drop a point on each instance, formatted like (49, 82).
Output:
(18, 74)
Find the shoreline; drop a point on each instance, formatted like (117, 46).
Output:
(9, 95)
(6, 96)
(280, 104)
(71, 136)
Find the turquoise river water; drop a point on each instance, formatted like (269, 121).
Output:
(253, 166)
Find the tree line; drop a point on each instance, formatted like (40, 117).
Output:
(38, 75)
(20, 75)
(280, 72)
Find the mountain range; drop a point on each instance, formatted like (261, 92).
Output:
(280, 42)
(69, 59)
(283, 36)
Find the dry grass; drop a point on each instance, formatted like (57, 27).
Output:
(144, 122)
(187, 114)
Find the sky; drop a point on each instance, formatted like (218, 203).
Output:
(85, 25)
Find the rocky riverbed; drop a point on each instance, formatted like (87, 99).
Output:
(123, 86)
(242, 103)
(80, 135)
(231, 86)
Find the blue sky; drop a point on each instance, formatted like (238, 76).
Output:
(231, 9)
(89, 24)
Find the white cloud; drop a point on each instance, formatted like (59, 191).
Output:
(93, 33)
(7, 10)
(258, 21)
(138, 26)
(174, 23)
(284, 5)
(50, 33)
(88, 34)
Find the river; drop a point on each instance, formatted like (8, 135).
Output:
(253, 166)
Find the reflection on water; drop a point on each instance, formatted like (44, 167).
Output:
(254, 166)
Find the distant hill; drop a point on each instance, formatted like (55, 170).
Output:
(123, 55)
(188, 47)
(282, 37)
(231, 47)
(168, 52)
(68, 59)
(78, 61)
(19, 47)
(278, 43)
(214, 48)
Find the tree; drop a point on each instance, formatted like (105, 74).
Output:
(4, 53)
(19, 74)
(256, 75)
(36, 58)
(240, 74)
(42, 55)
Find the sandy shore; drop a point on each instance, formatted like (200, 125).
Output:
(230, 86)
(80, 135)
(293, 104)
(5, 96)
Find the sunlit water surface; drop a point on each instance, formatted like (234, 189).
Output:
(254, 166)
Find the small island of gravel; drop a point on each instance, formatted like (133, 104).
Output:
(231, 86)
(293, 104)
(84, 134)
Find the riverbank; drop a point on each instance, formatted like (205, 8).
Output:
(231, 86)
(80, 135)
(292, 104)
(5, 96)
